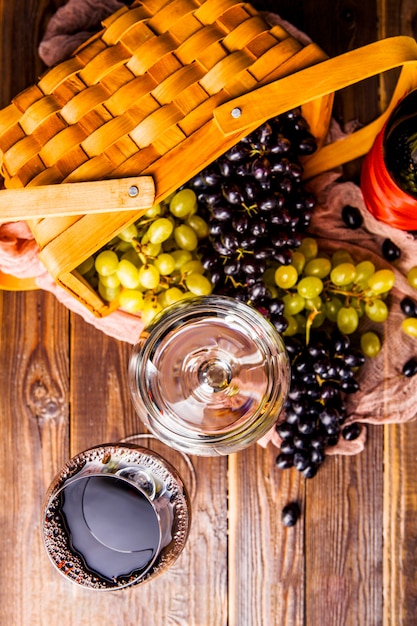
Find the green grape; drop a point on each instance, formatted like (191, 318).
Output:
(376, 310)
(132, 256)
(170, 296)
(370, 344)
(129, 233)
(359, 305)
(150, 308)
(313, 304)
(364, 270)
(199, 226)
(198, 284)
(309, 248)
(181, 257)
(149, 277)
(286, 276)
(298, 260)
(154, 211)
(409, 326)
(183, 203)
(160, 230)
(131, 300)
(193, 266)
(165, 263)
(86, 266)
(341, 256)
(106, 262)
(128, 274)
(269, 277)
(347, 319)
(301, 322)
(185, 237)
(382, 281)
(332, 307)
(293, 304)
(149, 249)
(318, 319)
(310, 287)
(108, 293)
(320, 267)
(343, 274)
(112, 281)
(412, 277)
(292, 327)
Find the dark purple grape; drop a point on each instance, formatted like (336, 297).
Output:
(352, 431)
(307, 145)
(352, 217)
(290, 514)
(233, 193)
(240, 222)
(284, 430)
(287, 446)
(301, 459)
(409, 368)
(310, 470)
(221, 213)
(230, 240)
(238, 153)
(261, 169)
(390, 250)
(409, 306)
(284, 461)
(280, 322)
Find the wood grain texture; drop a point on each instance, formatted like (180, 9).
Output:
(351, 559)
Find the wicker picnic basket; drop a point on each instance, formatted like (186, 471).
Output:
(160, 92)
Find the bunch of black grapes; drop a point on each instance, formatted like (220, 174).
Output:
(257, 209)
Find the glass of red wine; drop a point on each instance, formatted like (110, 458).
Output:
(117, 515)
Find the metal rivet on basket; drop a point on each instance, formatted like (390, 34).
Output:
(236, 112)
(133, 191)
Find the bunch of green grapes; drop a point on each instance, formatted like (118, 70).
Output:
(153, 262)
(315, 287)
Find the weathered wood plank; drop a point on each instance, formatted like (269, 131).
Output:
(343, 539)
(266, 559)
(400, 528)
(34, 425)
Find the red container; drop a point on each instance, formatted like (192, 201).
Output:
(383, 197)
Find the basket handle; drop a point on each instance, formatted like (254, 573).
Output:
(103, 196)
(322, 79)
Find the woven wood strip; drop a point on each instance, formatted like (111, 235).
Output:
(150, 52)
(173, 86)
(58, 74)
(173, 12)
(130, 94)
(9, 116)
(122, 23)
(268, 62)
(39, 112)
(225, 71)
(84, 102)
(212, 10)
(244, 33)
(199, 40)
(60, 144)
(108, 134)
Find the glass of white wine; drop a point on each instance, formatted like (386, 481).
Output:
(209, 375)
(117, 515)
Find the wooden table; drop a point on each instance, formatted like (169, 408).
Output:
(352, 557)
